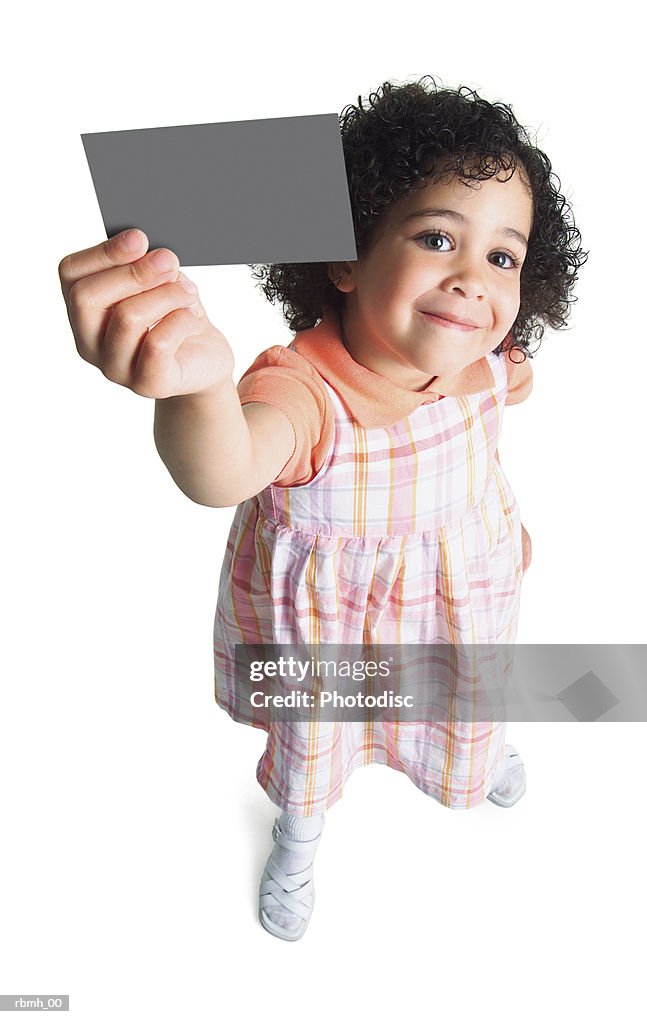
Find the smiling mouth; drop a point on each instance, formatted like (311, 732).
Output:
(453, 324)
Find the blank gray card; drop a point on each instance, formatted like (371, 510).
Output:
(266, 191)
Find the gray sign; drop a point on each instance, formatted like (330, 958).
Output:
(267, 191)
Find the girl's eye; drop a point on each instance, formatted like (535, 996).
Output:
(506, 255)
(438, 237)
(435, 235)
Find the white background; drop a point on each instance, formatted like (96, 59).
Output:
(133, 829)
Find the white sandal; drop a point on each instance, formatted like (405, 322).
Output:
(512, 779)
(294, 892)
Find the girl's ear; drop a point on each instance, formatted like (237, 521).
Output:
(342, 275)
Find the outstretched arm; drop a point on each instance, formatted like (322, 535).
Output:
(141, 322)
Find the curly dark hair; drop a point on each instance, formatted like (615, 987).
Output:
(409, 134)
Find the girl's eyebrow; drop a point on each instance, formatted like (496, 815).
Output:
(455, 215)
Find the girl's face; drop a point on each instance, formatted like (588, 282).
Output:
(444, 250)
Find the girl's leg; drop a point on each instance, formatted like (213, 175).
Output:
(286, 891)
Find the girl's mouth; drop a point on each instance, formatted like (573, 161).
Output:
(453, 324)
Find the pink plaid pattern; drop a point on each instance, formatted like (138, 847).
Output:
(408, 534)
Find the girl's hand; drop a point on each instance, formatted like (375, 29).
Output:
(137, 318)
(526, 548)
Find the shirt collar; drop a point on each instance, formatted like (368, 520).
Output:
(373, 400)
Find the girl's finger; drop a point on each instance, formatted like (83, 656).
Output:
(122, 248)
(92, 298)
(130, 321)
(156, 372)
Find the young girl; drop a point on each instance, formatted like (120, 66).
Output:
(362, 457)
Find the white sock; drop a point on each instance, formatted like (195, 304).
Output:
(509, 779)
(296, 827)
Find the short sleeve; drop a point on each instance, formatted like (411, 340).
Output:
(285, 379)
(519, 377)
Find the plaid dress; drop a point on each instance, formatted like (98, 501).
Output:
(408, 534)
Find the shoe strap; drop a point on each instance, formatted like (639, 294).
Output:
(295, 883)
(294, 893)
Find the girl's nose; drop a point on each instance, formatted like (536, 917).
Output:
(467, 278)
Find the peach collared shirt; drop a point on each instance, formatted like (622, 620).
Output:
(291, 379)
